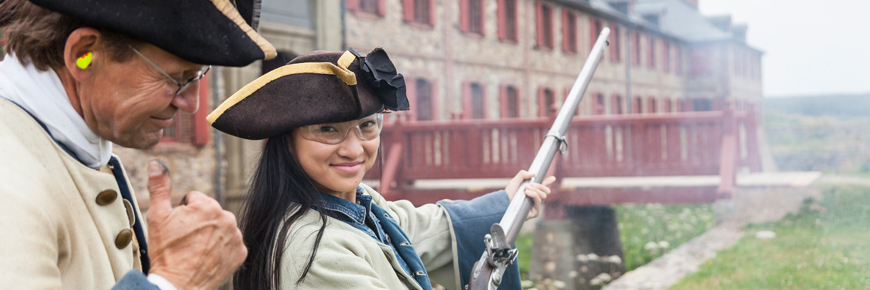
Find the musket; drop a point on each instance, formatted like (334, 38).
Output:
(499, 254)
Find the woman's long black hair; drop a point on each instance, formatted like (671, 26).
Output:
(278, 183)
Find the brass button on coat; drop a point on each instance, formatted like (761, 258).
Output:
(124, 238)
(106, 197)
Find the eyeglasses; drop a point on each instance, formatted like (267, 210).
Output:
(181, 86)
(368, 128)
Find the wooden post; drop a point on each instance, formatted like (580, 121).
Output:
(727, 155)
(394, 158)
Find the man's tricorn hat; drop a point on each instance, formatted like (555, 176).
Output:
(315, 88)
(208, 32)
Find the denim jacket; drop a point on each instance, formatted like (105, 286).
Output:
(362, 217)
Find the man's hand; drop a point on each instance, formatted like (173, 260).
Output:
(537, 191)
(194, 246)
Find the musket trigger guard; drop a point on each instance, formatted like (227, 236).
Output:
(563, 143)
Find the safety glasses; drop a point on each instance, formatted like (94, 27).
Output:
(181, 86)
(368, 128)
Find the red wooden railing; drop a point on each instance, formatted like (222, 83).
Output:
(664, 144)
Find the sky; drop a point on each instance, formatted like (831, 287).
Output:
(810, 47)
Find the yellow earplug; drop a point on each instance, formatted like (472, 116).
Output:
(85, 60)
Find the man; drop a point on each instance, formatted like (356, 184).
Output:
(78, 76)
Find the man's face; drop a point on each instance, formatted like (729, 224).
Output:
(131, 102)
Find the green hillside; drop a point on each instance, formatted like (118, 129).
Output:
(840, 106)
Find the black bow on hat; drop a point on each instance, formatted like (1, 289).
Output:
(388, 84)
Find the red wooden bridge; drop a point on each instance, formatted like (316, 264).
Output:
(472, 152)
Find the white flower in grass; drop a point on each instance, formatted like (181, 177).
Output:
(528, 284)
(592, 257)
(573, 274)
(604, 277)
(559, 284)
(582, 258)
(644, 231)
(651, 246)
(595, 281)
(614, 259)
(664, 244)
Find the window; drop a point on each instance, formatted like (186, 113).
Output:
(666, 53)
(546, 100)
(507, 20)
(544, 25)
(599, 104)
(510, 102)
(651, 58)
(595, 30)
(700, 61)
(423, 96)
(616, 44)
(638, 105)
(678, 60)
(653, 105)
(375, 7)
(616, 106)
(418, 11)
(471, 20)
(669, 106)
(475, 101)
(190, 128)
(635, 48)
(569, 32)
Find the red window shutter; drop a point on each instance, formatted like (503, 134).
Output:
(539, 24)
(432, 8)
(501, 20)
(502, 96)
(566, 44)
(200, 125)
(464, 15)
(652, 52)
(352, 5)
(382, 8)
(593, 31)
(542, 111)
(408, 10)
(466, 100)
(411, 92)
(482, 19)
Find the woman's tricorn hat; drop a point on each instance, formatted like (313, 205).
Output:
(207, 32)
(315, 88)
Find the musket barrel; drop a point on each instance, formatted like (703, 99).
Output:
(519, 208)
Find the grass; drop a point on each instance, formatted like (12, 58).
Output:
(641, 225)
(826, 245)
(650, 230)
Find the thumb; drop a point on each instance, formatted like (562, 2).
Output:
(159, 188)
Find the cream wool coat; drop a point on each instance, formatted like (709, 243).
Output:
(348, 258)
(55, 235)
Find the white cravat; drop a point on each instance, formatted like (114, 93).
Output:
(42, 95)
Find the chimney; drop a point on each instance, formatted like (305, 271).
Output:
(739, 32)
(722, 22)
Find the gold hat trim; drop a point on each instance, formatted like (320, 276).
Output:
(323, 68)
(230, 12)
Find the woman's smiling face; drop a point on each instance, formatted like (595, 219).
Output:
(336, 168)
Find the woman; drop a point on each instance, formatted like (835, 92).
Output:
(308, 221)
(78, 77)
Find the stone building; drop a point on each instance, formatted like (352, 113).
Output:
(515, 58)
